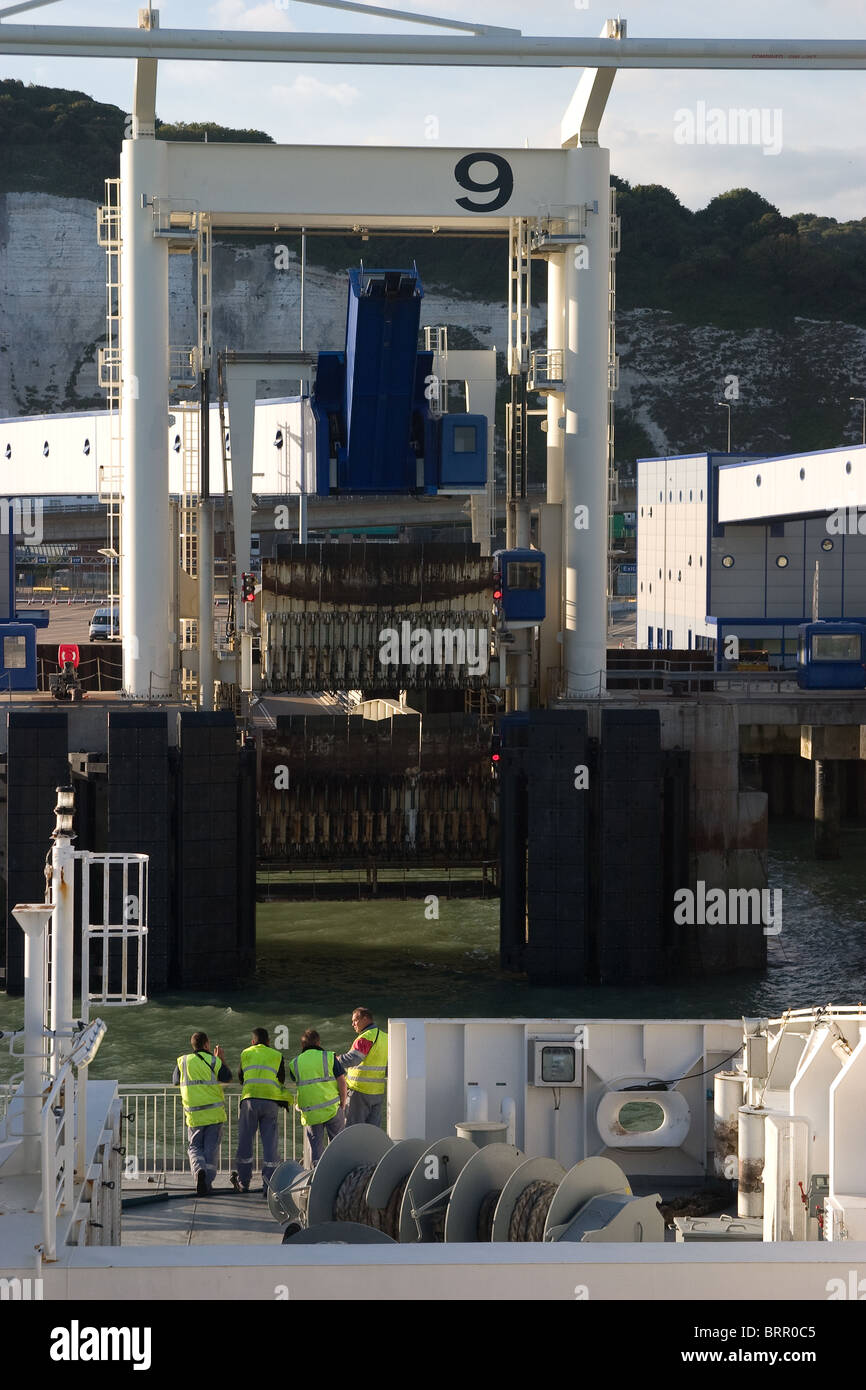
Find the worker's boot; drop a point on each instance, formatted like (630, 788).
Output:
(201, 1183)
(235, 1182)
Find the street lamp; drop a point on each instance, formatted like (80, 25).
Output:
(861, 400)
(726, 405)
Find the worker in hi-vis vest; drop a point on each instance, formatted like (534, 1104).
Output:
(201, 1075)
(321, 1097)
(262, 1072)
(366, 1065)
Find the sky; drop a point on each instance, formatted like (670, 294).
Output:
(809, 155)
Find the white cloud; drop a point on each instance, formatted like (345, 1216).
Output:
(236, 14)
(307, 88)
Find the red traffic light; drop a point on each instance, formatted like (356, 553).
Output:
(248, 588)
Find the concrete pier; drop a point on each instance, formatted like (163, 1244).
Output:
(827, 808)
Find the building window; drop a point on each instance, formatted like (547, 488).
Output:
(690, 494)
(641, 511)
(660, 574)
(690, 559)
(661, 497)
(681, 495)
(669, 574)
(802, 474)
(702, 494)
(9, 451)
(757, 480)
(650, 511)
(847, 467)
(728, 562)
(651, 586)
(641, 586)
(827, 544)
(670, 495)
(87, 447)
(465, 439)
(781, 562)
(659, 638)
(14, 653)
(679, 576)
(670, 637)
(700, 562)
(649, 638)
(45, 449)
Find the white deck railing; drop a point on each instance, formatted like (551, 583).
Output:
(155, 1135)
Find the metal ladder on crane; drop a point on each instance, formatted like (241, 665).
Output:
(110, 379)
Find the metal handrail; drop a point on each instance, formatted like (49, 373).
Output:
(156, 1141)
(58, 1143)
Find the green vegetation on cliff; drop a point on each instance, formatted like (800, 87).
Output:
(737, 263)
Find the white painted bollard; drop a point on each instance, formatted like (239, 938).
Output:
(750, 1145)
(727, 1100)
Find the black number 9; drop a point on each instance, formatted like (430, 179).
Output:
(502, 182)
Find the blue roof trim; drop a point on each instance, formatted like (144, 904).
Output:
(813, 453)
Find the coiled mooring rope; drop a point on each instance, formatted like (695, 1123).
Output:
(350, 1203)
(530, 1211)
(484, 1230)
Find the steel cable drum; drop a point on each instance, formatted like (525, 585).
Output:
(436, 1171)
(533, 1203)
(358, 1146)
(388, 1184)
(339, 1233)
(476, 1193)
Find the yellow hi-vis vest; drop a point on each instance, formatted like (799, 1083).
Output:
(369, 1076)
(260, 1065)
(201, 1093)
(318, 1096)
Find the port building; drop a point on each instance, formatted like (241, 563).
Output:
(729, 545)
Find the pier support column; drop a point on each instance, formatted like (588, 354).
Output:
(585, 483)
(827, 808)
(145, 559)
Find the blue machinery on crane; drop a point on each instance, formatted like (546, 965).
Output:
(379, 426)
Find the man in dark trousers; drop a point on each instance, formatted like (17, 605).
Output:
(262, 1073)
(366, 1065)
(201, 1075)
(321, 1097)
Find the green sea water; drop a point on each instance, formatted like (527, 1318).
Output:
(317, 961)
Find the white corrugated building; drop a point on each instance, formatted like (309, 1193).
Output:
(728, 544)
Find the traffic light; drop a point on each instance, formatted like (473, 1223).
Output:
(497, 588)
(248, 588)
(495, 750)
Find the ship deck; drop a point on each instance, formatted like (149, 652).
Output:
(176, 1216)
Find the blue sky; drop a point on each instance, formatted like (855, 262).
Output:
(821, 166)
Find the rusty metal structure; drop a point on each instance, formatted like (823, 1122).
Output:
(327, 611)
(405, 789)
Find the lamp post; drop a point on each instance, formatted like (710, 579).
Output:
(726, 405)
(861, 401)
(33, 918)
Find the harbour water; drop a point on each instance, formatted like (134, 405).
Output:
(317, 961)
